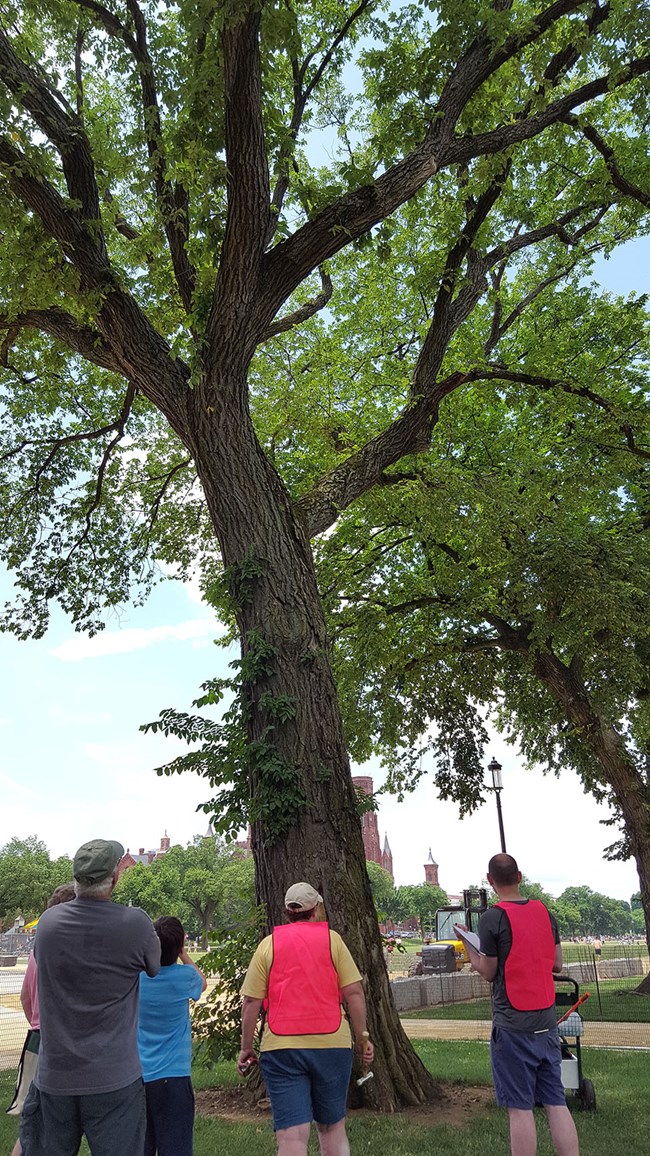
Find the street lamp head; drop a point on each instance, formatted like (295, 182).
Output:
(495, 770)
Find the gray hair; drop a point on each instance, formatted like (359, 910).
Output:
(99, 890)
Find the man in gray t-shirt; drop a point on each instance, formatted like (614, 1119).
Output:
(89, 1078)
(520, 953)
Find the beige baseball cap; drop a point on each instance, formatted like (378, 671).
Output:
(302, 897)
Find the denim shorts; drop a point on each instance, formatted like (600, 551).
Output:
(526, 1067)
(306, 1084)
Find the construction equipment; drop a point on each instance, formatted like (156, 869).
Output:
(469, 912)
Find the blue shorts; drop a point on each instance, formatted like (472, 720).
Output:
(526, 1067)
(306, 1084)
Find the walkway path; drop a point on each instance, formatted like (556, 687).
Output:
(597, 1034)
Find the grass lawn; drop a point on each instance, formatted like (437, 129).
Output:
(620, 1081)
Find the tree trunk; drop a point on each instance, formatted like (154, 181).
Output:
(253, 518)
(618, 769)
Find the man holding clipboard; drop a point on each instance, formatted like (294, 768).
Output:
(518, 950)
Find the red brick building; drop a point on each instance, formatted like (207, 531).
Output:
(375, 853)
(145, 857)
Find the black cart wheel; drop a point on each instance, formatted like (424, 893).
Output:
(586, 1096)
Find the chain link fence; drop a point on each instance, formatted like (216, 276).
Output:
(457, 1005)
(13, 1025)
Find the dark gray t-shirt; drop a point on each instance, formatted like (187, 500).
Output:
(89, 955)
(495, 937)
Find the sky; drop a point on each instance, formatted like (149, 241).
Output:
(74, 766)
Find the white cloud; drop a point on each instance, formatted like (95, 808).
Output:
(64, 718)
(79, 648)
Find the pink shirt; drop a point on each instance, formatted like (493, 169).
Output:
(29, 994)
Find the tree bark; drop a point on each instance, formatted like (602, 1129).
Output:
(253, 517)
(627, 784)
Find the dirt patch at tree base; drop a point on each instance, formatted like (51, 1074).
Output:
(459, 1104)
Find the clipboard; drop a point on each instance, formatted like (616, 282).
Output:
(469, 938)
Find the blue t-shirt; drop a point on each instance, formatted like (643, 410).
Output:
(164, 1031)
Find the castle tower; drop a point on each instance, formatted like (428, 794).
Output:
(431, 871)
(387, 857)
(369, 828)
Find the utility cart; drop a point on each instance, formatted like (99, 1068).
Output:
(567, 995)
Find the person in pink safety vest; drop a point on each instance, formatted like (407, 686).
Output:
(303, 974)
(29, 1001)
(520, 953)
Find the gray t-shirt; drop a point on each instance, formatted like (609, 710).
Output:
(89, 955)
(495, 938)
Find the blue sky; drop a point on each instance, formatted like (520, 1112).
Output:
(74, 766)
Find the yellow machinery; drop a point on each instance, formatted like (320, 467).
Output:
(474, 904)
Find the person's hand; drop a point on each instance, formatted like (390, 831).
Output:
(366, 1051)
(245, 1061)
(185, 955)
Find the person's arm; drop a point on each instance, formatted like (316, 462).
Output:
(185, 958)
(250, 1012)
(355, 1001)
(485, 965)
(151, 949)
(485, 961)
(29, 994)
(557, 962)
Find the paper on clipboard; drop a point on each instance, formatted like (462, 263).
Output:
(468, 938)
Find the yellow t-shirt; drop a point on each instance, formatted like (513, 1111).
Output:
(256, 986)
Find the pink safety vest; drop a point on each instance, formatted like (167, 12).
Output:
(528, 971)
(303, 996)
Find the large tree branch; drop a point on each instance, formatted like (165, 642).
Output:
(448, 313)
(301, 95)
(321, 506)
(248, 214)
(502, 373)
(289, 262)
(505, 136)
(606, 151)
(283, 324)
(410, 432)
(172, 198)
(139, 350)
(482, 60)
(64, 128)
(65, 223)
(66, 329)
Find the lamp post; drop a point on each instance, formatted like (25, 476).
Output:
(497, 785)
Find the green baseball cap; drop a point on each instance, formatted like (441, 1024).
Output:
(97, 860)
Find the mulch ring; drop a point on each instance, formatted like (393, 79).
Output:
(459, 1104)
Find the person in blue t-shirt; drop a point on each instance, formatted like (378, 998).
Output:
(165, 1043)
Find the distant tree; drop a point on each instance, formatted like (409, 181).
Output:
(156, 888)
(237, 898)
(421, 901)
(201, 884)
(382, 887)
(598, 914)
(28, 877)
